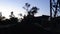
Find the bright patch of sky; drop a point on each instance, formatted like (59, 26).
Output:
(7, 6)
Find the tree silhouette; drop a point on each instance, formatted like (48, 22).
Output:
(0, 14)
(27, 5)
(12, 15)
(34, 10)
(55, 6)
(20, 18)
(20, 14)
(1, 17)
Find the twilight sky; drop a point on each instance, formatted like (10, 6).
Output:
(6, 6)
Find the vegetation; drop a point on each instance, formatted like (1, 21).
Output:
(29, 23)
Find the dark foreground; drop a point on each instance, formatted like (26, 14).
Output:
(24, 28)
